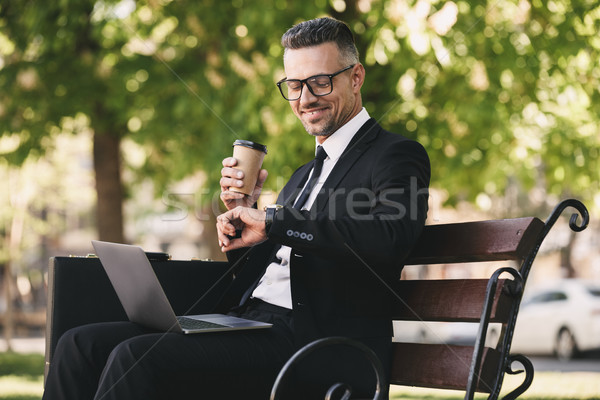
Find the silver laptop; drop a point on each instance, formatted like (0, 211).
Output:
(144, 299)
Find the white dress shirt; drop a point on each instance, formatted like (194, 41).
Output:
(274, 286)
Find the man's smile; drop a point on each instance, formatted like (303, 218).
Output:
(315, 112)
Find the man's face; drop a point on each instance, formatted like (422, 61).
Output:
(323, 115)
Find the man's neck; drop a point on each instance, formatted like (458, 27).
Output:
(341, 137)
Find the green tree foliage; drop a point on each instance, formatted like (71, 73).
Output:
(507, 93)
(502, 93)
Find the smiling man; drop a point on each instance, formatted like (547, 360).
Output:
(316, 264)
(344, 223)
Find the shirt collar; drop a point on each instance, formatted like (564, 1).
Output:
(336, 143)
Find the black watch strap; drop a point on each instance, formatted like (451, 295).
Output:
(271, 210)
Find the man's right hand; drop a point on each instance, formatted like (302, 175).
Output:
(232, 177)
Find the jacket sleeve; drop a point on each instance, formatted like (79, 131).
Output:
(378, 222)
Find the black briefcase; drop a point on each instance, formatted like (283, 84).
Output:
(80, 293)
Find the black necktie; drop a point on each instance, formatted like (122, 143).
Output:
(317, 167)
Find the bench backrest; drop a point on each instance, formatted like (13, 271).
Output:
(496, 240)
(462, 300)
(474, 368)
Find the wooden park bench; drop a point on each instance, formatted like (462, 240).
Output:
(495, 300)
(77, 284)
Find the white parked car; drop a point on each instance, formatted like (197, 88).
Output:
(560, 318)
(459, 333)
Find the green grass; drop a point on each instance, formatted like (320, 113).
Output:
(19, 388)
(21, 378)
(545, 386)
(31, 365)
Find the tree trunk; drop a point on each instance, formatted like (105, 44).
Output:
(8, 323)
(20, 198)
(109, 188)
(568, 269)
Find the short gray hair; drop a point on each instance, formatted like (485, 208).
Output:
(322, 30)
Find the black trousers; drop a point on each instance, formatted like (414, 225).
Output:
(122, 360)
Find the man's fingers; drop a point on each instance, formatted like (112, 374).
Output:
(224, 225)
(228, 195)
(249, 220)
(226, 233)
(232, 172)
(229, 244)
(234, 179)
(262, 177)
(229, 162)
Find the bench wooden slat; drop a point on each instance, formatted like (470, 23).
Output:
(441, 366)
(506, 239)
(450, 300)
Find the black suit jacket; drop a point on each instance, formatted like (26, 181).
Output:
(352, 243)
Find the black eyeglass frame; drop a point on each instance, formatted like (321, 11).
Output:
(304, 82)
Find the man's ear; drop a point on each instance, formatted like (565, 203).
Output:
(358, 77)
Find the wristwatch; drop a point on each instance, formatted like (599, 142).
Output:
(271, 210)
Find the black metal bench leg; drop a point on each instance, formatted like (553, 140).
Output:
(331, 341)
(528, 375)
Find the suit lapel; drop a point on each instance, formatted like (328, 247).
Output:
(291, 190)
(356, 148)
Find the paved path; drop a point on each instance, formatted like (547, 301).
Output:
(25, 345)
(589, 363)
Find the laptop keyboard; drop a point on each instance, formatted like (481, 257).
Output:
(191, 323)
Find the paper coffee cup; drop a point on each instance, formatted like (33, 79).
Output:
(249, 156)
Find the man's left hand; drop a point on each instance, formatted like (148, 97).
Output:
(249, 220)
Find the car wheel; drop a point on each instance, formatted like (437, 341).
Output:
(566, 348)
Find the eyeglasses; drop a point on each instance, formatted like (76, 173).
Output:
(319, 85)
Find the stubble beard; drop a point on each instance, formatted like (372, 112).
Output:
(326, 130)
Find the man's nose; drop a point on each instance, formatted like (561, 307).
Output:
(306, 96)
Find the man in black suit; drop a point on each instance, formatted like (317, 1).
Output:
(316, 264)
(332, 256)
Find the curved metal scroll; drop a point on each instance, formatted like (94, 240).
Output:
(528, 375)
(524, 271)
(330, 341)
(585, 216)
